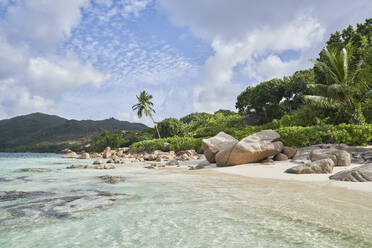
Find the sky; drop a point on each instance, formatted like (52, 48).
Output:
(88, 59)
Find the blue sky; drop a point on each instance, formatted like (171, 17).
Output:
(87, 59)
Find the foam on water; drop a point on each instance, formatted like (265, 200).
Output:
(170, 208)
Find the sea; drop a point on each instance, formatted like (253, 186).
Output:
(51, 206)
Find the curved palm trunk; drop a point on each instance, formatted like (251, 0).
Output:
(156, 126)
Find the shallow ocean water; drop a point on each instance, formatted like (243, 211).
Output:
(171, 208)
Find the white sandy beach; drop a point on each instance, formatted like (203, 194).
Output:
(276, 171)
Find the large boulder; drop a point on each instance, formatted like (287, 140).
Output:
(320, 166)
(212, 146)
(339, 157)
(107, 152)
(358, 174)
(71, 155)
(251, 149)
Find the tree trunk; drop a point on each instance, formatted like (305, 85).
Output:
(156, 126)
(357, 115)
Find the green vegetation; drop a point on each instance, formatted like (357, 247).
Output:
(329, 103)
(170, 127)
(48, 133)
(325, 104)
(346, 90)
(344, 133)
(272, 99)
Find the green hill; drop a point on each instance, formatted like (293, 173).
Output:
(24, 133)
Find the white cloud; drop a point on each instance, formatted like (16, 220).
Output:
(133, 7)
(217, 90)
(63, 74)
(272, 67)
(247, 37)
(15, 100)
(30, 79)
(43, 24)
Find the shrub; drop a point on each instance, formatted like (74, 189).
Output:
(176, 144)
(195, 117)
(111, 139)
(170, 127)
(336, 134)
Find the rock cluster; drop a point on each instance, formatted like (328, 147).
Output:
(358, 174)
(227, 151)
(339, 157)
(92, 166)
(323, 161)
(160, 156)
(319, 166)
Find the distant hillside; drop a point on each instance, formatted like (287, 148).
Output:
(22, 132)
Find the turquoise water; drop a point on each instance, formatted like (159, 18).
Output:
(170, 208)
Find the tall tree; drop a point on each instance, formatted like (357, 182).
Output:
(144, 105)
(344, 89)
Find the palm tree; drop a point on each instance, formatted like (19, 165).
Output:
(145, 105)
(344, 90)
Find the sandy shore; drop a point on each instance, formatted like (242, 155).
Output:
(276, 171)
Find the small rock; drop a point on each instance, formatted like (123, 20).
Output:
(289, 151)
(319, 167)
(71, 155)
(75, 166)
(280, 157)
(106, 152)
(98, 161)
(95, 155)
(35, 170)
(149, 167)
(204, 163)
(112, 179)
(84, 155)
(108, 166)
(150, 157)
(198, 166)
(267, 161)
(166, 147)
(172, 162)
